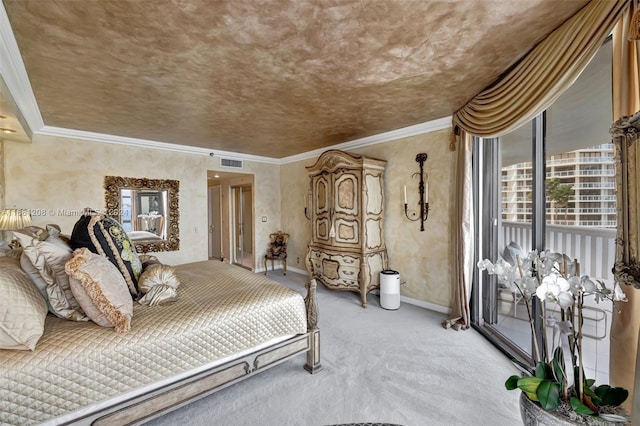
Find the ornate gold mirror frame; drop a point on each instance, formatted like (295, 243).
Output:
(626, 139)
(112, 195)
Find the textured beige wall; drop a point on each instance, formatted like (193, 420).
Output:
(2, 182)
(295, 187)
(424, 259)
(55, 173)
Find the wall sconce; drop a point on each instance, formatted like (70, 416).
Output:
(423, 189)
(307, 206)
(14, 219)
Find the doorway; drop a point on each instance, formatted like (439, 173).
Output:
(215, 223)
(242, 225)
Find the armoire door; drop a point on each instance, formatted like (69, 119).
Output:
(346, 187)
(322, 209)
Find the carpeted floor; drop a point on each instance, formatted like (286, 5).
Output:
(399, 367)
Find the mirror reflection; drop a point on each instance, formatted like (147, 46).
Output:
(143, 213)
(148, 211)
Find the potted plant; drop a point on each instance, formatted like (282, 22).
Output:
(558, 387)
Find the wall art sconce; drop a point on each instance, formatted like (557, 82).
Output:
(423, 189)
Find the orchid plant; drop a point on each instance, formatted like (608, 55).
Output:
(559, 374)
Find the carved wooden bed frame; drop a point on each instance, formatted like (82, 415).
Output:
(164, 399)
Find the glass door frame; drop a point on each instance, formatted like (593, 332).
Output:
(238, 225)
(488, 217)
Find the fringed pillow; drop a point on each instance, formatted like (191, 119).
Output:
(100, 290)
(103, 235)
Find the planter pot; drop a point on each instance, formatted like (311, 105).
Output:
(533, 415)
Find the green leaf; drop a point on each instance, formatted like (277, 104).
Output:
(543, 371)
(529, 384)
(512, 383)
(580, 408)
(611, 396)
(558, 365)
(548, 394)
(595, 398)
(589, 382)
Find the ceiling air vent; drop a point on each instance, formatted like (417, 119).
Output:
(228, 162)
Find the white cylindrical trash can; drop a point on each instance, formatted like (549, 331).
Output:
(389, 289)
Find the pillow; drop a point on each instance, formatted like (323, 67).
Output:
(14, 253)
(100, 289)
(103, 235)
(147, 260)
(22, 308)
(48, 259)
(35, 232)
(159, 295)
(158, 274)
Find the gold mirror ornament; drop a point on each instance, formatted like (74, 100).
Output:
(148, 209)
(626, 134)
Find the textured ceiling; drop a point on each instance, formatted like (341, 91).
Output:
(270, 78)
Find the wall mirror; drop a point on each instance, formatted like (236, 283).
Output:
(147, 209)
(626, 140)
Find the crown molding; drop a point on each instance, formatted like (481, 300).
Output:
(405, 132)
(426, 127)
(15, 76)
(145, 143)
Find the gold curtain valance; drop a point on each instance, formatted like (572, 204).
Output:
(541, 77)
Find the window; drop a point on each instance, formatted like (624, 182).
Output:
(550, 185)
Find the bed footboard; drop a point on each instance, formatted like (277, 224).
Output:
(313, 355)
(157, 402)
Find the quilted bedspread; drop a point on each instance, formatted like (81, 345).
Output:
(222, 310)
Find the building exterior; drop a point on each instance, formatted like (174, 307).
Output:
(590, 174)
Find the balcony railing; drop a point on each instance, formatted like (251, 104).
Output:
(593, 247)
(579, 160)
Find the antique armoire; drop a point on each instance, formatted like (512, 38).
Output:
(347, 249)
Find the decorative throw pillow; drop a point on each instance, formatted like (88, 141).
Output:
(158, 274)
(100, 289)
(22, 308)
(147, 260)
(48, 258)
(103, 235)
(160, 294)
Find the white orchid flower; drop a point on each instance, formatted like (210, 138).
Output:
(555, 288)
(529, 285)
(618, 294)
(486, 265)
(582, 285)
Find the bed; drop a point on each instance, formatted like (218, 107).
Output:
(227, 325)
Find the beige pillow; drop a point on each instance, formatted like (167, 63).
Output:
(100, 289)
(159, 294)
(22, 308)
(158, 274)
(48, 257)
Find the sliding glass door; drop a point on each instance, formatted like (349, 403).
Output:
(507, 207)
(550, 185)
